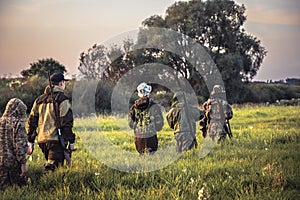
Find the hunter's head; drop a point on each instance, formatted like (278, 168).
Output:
(58, 79)
(218, 91)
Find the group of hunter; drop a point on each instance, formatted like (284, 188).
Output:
(51, 123)
(146, 119)
(50, 120)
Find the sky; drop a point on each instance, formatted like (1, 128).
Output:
(31, 30)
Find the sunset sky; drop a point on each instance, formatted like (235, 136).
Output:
(61, 29)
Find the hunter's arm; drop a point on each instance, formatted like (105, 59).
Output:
(20, 138)
(159, 120)
(66, 121)
(33, 123)
(170, 118)
(131, 118)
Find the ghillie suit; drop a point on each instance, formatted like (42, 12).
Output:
(13, 144)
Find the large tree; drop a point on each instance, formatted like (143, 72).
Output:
(41, 68)
(218, 26)
(215, 24)
(93, 62)
(108, 63)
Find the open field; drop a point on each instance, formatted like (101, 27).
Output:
(260, 162)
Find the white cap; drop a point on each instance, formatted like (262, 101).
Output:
(143, 89)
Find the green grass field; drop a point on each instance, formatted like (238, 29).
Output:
(260, 162)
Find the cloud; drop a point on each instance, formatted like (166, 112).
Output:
(274, 16)
(272, 11)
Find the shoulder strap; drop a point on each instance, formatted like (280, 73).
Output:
(44, 98)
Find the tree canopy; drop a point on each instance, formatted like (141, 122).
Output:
(109, 63)
(93, 62)
(218, 26)
(41, 68)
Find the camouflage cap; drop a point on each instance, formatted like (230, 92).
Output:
(143, 89)
(217, 89)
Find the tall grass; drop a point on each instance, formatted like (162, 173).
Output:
(260, 162)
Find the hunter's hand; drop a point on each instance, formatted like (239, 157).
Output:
(72, 147)
(30, 148)
(23, 170)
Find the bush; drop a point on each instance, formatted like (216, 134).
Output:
(83, 97)
(94, 97)
(263, 92)
(103, 97)
(25, 89)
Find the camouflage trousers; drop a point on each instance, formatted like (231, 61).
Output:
(216, 131)
(185, 141)
(11, 176)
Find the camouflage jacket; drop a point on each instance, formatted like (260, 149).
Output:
(145, 117)
(179, 120)
(13, 137)
(217, 109)
(42, 117)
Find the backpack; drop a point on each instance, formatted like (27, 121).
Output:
(218, 109)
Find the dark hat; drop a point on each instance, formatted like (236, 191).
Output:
(57, 77)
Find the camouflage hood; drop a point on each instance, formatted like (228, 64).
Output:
(15, 108)
(13, 137)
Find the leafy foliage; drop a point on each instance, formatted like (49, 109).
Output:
(26, 89)
(42, 67)
(215, 24)
(100, 62)
(260, 92)
(93, 62)
(218, 26)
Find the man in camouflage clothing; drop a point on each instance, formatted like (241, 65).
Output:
(217, 111)
(13, 145)
(145, 117)
(42, 117)
(182, 118)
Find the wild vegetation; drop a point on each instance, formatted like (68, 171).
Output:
(260, 162)
(29, 89)
(217, 26)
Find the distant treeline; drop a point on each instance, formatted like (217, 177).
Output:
(253, 92)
